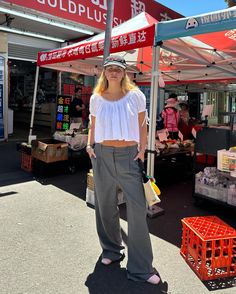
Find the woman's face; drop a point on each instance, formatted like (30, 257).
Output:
(114, 73)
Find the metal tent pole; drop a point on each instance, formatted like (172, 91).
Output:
(153, 111)
(109, 20)
(153, 210)
(33, 104)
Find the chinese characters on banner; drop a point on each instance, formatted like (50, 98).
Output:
(62, 113)
(126, 42)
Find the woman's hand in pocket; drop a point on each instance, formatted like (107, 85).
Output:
(91, 152)
(140, 156)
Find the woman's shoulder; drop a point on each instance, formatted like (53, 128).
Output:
(95, 96)
(137, 93)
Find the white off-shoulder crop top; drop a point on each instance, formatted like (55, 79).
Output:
(117, 120)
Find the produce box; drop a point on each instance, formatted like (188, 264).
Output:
(49, 150)
(90, 197)
(90, 191)
(90, 182)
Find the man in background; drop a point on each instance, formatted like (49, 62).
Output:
(76, 107)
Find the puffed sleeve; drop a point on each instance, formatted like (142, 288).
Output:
(92, 105)
(141, 101)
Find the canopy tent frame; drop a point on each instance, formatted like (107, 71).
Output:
(161, 42)
(175, 30)
(143, 33)
(33, 104)
(198, 60)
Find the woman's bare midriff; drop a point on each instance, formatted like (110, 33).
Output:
(118, 143)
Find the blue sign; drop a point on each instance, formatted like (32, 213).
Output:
(201, 24)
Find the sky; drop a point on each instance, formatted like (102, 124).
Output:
(193, 7)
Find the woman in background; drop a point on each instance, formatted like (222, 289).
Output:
(170, 115)
(184, 126)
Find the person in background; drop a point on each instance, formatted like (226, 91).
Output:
(170, 115)
(85, 116)
(76, 107)
(184, 125)
(116, 142)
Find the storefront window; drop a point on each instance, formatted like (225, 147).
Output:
(21, 84)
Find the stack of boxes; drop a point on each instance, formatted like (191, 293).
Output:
(219, 183)
(214, 184)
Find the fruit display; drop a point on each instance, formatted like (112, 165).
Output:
(173, 145)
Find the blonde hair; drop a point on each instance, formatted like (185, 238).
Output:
(102, 84)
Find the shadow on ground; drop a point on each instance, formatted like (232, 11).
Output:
(176, 197)
(112, 279)
(176, 200)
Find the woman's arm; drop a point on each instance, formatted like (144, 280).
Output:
(91, 140)
(142, 135)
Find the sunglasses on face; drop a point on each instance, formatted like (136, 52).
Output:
(114, 69)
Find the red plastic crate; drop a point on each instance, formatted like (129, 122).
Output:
(26, 162)
(209, 247)
(206, 159)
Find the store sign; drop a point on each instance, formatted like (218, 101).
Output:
(94, 12)
(1, 96)
(62, 113)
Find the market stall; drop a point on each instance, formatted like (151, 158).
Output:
(182, 59)
(179, 60)
(214, 62)
(85, 57)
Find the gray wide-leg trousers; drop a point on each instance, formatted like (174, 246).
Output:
(115, 167)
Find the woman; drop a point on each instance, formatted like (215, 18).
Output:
(118, 133)
(184, 126)
(170, 115)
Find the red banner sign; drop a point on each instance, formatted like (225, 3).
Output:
(132, 40)
(93, 12)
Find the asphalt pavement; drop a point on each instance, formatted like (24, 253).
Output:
(49, 244)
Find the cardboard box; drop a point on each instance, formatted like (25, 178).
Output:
(49, 150)
(90, 182)
(90, 197)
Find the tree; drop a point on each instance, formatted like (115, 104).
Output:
(231, 3)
